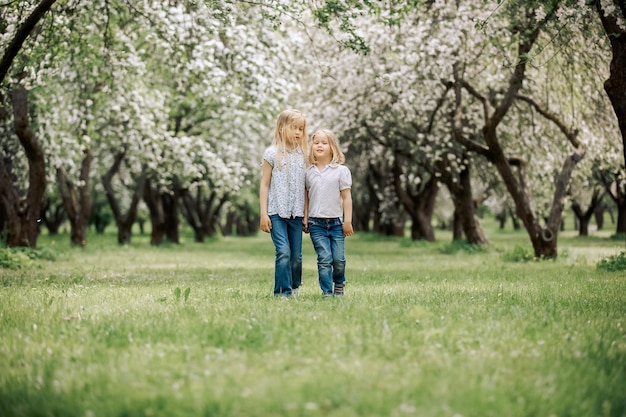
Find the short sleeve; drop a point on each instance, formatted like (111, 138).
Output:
(345, 178)
(270, 155)
(307, 177)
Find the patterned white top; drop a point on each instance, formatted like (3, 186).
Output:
(325, 190)
(286, 193)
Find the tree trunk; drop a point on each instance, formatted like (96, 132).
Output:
(544, 240)
(249, 225)
(612, 181)
(598, 215)
(584, 217)
(152, 198)
(22, 212)
(583, 229)
(163, 208)
(211, 223)
(392, 223)
(52, 216)
(202, 213)
(620, 203)
(241, 220)
(375, 181)
(621, 218)
(3, 217)
(615, 85)
(172, 219)
(124, 221)
(230, 223)
(501, 218)
(418, 203)
(191, 212)
(421, 227)
(464, 206)
(457, 225)
(361, 217)
(377, 223)
(514, 220)
(76, 200)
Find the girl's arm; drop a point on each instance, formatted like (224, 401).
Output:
(305, 220)
(264, 189)
(346, 197)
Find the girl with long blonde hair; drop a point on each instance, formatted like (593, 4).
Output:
(281, 195)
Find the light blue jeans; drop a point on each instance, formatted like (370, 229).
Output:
(328, 241)
(287, 237)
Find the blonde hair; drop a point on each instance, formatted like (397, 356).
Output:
(337, 156)
(286, 118)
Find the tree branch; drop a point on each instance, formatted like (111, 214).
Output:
(21, 35)
(470, 89)
(570, 134)
(457, 122)
(517, 77)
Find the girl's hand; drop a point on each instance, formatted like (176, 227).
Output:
(266, 223)
(305, 226)
(347, 229)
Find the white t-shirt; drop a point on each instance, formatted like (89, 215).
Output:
(325, 190)
(286, 193)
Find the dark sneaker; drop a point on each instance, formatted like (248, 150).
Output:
(338, 290)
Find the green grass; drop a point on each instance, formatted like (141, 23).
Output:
(422, 331)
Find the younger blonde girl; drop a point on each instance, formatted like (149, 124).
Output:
(329, 209)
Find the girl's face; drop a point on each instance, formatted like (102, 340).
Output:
(295, 130)
(320, 147)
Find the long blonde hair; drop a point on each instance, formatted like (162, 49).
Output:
(286, 118)
(337, 156)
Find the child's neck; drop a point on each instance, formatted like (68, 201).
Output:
(322, 163)
(290, 145)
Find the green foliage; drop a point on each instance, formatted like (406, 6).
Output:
(17, 258)
(43, 253)
(620, 237)
(101, 214)
(178, 292)
(519, 254)
(613, 263)
(524, 254)
(13, 259)
(344, 12)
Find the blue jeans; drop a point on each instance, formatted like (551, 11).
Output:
(328, 241)
(287, 237)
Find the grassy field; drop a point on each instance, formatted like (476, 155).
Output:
(193, 330)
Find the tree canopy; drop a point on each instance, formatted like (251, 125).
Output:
(441, 106)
